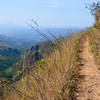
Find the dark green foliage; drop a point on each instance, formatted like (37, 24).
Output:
(10, 57)
(94, 7)
(36, 52)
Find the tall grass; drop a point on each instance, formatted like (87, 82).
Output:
(94, 41)
(55, 77)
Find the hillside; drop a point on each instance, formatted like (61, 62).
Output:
(10, 53)
(68, 70)
(57, 67)
(14, 42)
(8, 57)
(36, 52)
(68, 73)
(62, 75)
(11, 56)
(50, 50)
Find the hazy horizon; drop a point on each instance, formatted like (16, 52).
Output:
(48, 13)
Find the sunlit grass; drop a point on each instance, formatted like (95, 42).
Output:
(94, 41)
(55, 77)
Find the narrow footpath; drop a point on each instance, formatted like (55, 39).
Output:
(89, 76)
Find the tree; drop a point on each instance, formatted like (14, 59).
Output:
(94, 7)
(95, 10)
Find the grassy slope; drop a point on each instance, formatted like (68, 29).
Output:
(55, 77)
(94, 41)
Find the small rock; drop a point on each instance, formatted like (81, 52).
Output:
(89, 91)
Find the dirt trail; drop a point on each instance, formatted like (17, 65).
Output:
(89, 78)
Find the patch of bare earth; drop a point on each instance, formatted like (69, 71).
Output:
(89, 76)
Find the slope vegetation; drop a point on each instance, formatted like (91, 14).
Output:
(54, 78)
(70, 72)
(94, 43)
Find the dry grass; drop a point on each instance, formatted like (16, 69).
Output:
(54, 79)
(94, 41)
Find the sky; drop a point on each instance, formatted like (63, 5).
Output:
(48, 13)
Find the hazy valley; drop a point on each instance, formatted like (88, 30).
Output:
(16, 41)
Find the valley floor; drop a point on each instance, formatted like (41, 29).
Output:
(89, 75)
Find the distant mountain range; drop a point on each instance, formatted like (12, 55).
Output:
(27, 34)
(14, 42)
